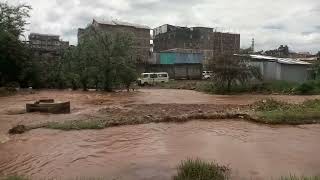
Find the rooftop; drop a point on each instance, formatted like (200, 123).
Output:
(280, 60)
(47, 35)
(121, 23)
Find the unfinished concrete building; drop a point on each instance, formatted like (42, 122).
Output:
(141, 36)
(169, 38)
(47, 44)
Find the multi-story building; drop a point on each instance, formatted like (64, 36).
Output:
(46, 43)
(168, 38)
(141, 36)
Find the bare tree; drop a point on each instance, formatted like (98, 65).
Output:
(229, 70)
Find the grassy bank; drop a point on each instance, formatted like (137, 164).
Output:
(272, 87)
(267, 111)
(275, 112)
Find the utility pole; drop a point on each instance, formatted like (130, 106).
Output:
(252, 45)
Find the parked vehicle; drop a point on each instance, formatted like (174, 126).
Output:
(153, 78)
(206, 74)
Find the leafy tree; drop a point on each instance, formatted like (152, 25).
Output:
(13, 18)
(230, 70)
(101, 60)
(14, 54)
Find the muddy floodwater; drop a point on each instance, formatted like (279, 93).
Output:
(152, 151)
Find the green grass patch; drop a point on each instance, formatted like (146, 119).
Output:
(15, 177)
(300, 178)
(196, 169)
(76, 125)
(276, 112)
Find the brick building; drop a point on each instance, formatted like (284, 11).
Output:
(168, 38)
(141, 36)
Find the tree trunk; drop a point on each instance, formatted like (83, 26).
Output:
(229, 86)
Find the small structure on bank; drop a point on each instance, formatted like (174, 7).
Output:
(49, 106)
(280, 69)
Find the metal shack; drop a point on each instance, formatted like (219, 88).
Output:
(178, 65)
(284, 69)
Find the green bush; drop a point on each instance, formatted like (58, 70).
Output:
(309, 87)
(275, 87)
(201, 170)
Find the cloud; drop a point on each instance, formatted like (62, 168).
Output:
(271, 23)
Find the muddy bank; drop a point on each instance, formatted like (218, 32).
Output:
(152, 103)
(151, 151)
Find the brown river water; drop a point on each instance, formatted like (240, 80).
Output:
(152, 151)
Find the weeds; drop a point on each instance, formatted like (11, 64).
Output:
(300, 178)
(269, 105)
(275, 112)
(196, 169)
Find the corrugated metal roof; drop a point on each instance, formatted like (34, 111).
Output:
(280, 60)
(291, 61)
(263, 57)
(121, 23)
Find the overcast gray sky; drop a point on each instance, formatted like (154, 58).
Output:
(270, 22)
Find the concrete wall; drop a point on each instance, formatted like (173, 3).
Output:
(177, 71)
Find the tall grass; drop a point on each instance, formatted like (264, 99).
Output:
(196, 169)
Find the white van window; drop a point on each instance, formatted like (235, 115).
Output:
(153, 76)
(145, 75)
(163, 75)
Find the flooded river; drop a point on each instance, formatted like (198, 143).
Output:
(152, 151)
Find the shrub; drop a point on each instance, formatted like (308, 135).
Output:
(201, 170)
(309, 87)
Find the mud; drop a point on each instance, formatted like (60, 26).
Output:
(151, 151)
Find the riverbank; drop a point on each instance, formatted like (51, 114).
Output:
(268, 111)
(143, 106)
